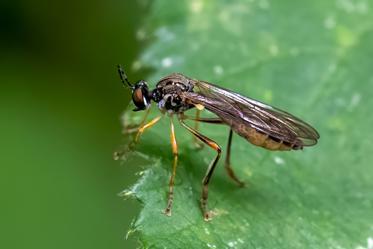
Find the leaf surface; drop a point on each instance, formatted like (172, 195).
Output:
(313, 59)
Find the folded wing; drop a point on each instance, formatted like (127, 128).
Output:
(235, 109)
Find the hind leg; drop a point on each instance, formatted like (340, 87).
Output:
(227, 164)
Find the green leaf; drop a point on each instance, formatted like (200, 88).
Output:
(313, 59)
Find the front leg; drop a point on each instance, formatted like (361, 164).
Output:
(175, 153)
(133, 128)
(146, 126)
(118, 154)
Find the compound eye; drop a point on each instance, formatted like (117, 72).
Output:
(138, 98)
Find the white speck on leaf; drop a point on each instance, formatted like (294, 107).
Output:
(217, 212)
(278, 160)
(346, 5)
(332, 67)
(369, 244)
(264, 4)
(273, 49)
(207, 231)
(126, 193)
(355, 100)
(349, 6)
(329, 22)
(196, 6)
(362, 7)
(232, 243)
(140, 173)
(224, 16)
(167, 62)
(218, 70)
(164, 34)
(211, 245)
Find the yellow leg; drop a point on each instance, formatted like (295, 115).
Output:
(118, 154)
(129, 129)
(146, 126)
(175, 153)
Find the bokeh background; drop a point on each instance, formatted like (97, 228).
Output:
(60, 107)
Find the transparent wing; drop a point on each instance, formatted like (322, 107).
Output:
(233, 107)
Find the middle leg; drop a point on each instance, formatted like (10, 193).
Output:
(198, 144)
(210, 170)
(227, 164)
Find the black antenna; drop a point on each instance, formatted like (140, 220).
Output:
(123, 77)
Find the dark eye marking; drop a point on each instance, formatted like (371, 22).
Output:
(137, 95)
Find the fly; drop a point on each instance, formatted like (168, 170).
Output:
(259, 123)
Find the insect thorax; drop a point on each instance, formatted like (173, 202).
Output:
(168, 93)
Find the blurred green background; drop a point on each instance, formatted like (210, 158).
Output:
(60, 104)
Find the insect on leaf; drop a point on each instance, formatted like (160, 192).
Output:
(312, 59)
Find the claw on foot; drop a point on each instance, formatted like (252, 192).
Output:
(231, 174)
(117, 155)
(208, 215)
(240, 184)
(167, 212)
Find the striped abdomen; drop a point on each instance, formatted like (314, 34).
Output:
(261, 139)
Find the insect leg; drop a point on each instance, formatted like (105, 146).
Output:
(203, 120)
(228, 161)
(197, 142)
(175, 153)
(228, 155)
(129, 129)
(206, 179)
(146, 126)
